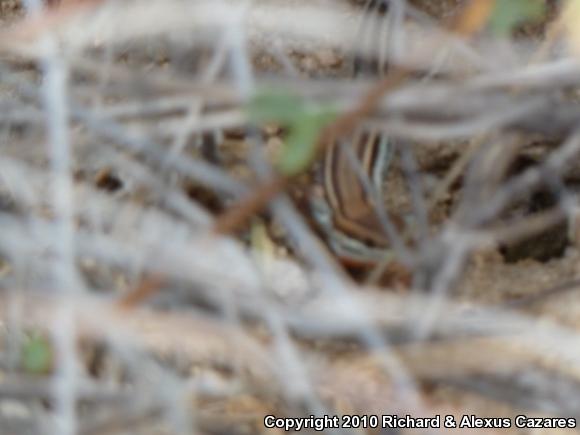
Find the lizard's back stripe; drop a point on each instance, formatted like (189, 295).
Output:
(353, 210)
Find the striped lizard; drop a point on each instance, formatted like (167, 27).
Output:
(347, 211)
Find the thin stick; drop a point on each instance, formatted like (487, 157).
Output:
(146, 288)
(238, 215)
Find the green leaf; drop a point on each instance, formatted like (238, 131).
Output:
(508, 14)
(303, 120)
(300, 148)
(37, 355)
(271, 106)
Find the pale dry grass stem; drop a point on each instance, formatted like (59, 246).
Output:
(125, 136)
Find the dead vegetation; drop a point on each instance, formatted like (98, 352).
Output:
(159, 276)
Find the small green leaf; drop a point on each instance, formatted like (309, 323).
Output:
(303, 120)
(271, 106)
(300, 148)
(37, 354)
(508, 14)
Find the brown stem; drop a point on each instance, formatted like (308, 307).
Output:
(146, 288)
(236, 216)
